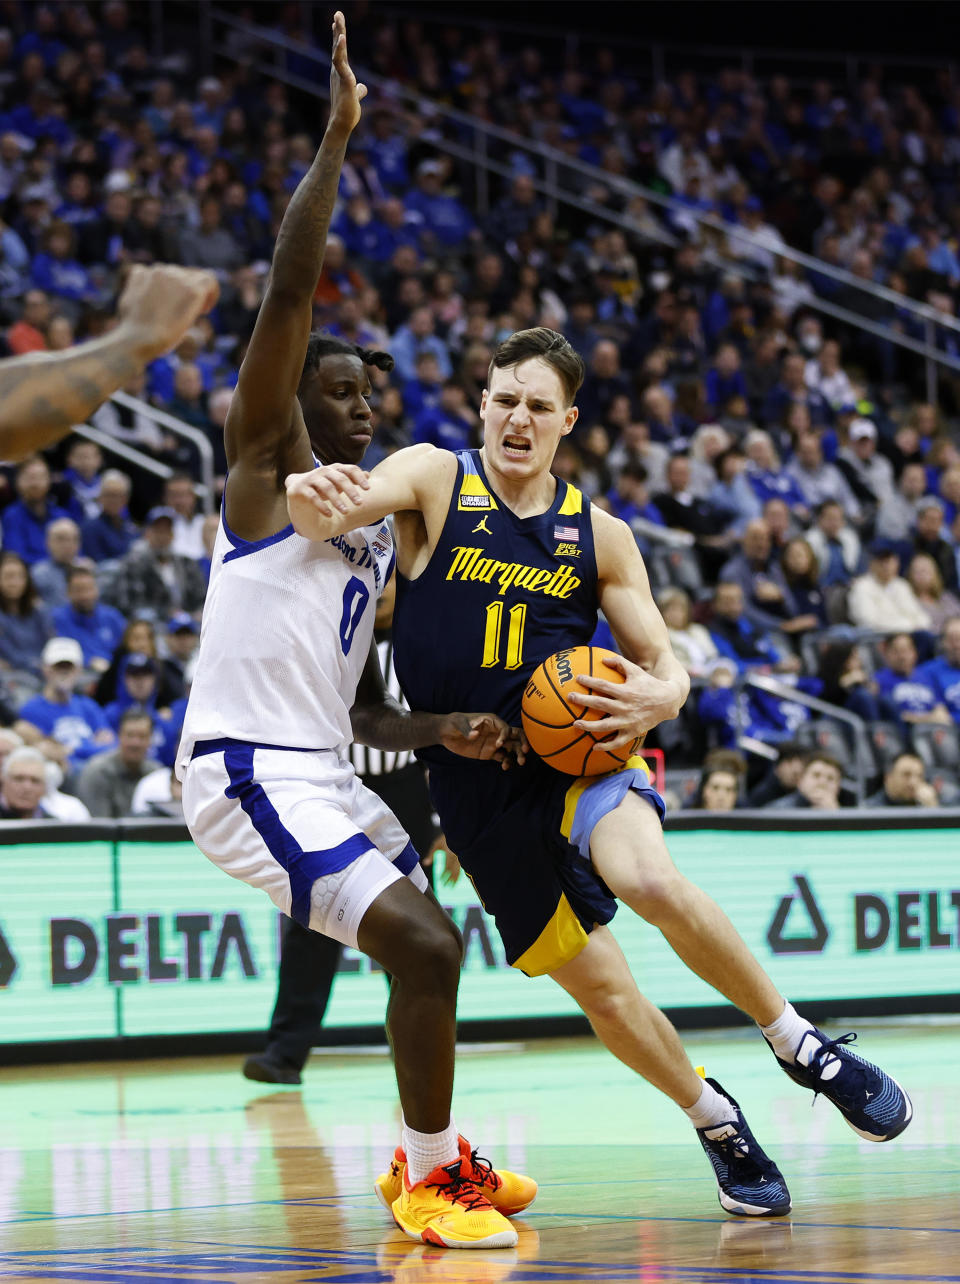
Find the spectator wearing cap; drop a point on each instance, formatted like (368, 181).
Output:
(34, 217)
(905, 785)
(107, 783)
(907, 694)
(23, 783)
(927, 537)
(181, 647)
(446, 223)
(881, 600)
(897, 517)
(70, 728)
(50, 574)
(869, 473)
(25, 522)
(98, 628)
(152, 580)
(109, 535)
(24, 622)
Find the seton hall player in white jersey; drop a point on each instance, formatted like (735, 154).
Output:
(268, 790)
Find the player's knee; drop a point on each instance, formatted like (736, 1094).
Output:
(605, 1002)
(655, 895)
(434, 954)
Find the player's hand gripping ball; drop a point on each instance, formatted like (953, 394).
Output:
(548, 719)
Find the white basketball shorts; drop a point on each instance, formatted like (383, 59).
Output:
(300, 825)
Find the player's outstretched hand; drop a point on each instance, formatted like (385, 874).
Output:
(328, 491)
(345, 94)
(632, 707)
(479, 735)
(160, 303)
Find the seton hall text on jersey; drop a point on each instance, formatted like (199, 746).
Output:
(470, 564)
(358, 555)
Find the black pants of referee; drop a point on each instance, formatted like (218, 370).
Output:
(308, 961)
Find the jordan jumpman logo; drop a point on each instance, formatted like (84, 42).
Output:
(482, 526)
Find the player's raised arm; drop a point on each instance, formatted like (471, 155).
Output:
(264, 433)
(656, 683)
(329, 501)
(42, 395)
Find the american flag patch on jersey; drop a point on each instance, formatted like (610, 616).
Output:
(570, 534)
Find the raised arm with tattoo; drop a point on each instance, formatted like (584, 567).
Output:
(43, 394)
(262, 445)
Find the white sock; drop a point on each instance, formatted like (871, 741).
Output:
(786, 1034)
(428, 1150)
(710, 1109)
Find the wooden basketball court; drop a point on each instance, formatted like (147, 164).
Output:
(183, 1171)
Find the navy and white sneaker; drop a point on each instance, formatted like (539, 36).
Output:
(748, 1181)
(873, 1104)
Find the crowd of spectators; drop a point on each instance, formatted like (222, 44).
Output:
(796, 498)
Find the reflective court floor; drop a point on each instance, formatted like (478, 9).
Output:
(181, 1170)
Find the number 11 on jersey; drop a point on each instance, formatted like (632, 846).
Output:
(491, 635)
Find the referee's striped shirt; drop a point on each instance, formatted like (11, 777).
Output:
(378, 762)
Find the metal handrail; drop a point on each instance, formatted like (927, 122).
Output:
(762, 682)
(179, 429)
(122, 449)
(627, 186)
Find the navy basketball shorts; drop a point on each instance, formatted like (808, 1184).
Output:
(527, 854)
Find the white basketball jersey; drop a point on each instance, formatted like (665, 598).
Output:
(286, 632)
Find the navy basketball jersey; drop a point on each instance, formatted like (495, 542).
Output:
(499, 595)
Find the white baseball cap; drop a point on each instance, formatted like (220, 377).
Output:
(63, 651)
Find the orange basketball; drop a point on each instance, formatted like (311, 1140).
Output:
(548, 719)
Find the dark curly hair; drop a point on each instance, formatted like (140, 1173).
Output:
(322, 345)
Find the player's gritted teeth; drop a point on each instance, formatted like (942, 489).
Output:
(516, 447)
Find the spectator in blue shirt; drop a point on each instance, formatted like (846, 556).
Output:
(450, 426)
(82, 475)
(724, 379)
(25, 522)
(108, 536)
(944, 672)
(792, 390)
(58, 272)
(766, 476)
(739, 640)
(24, 623)
(417, 337)
(905, 692)
(73, 726)
(97, 627)
(446, 223)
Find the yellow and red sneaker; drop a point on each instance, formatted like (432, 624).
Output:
(449, 1210)
(510, 1193)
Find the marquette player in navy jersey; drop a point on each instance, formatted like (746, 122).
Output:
(500, 565)
(269, 793)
